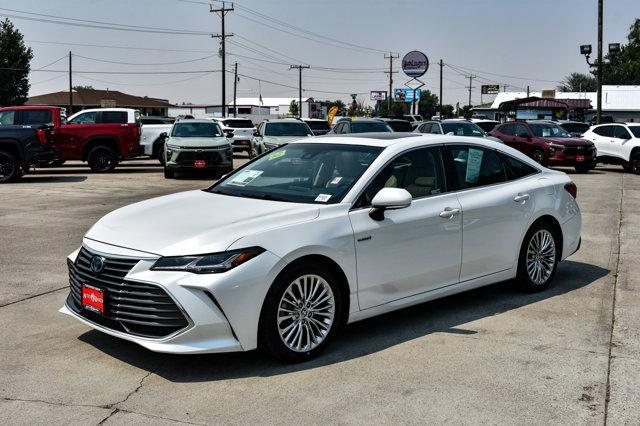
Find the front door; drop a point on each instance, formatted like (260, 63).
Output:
(415, 249)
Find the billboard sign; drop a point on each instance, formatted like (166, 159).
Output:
(415, 64)
(405, 94)
(378, 95)
(490, 89)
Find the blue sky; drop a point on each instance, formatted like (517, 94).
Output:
(536, 41)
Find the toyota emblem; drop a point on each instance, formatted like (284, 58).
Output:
(97, 264)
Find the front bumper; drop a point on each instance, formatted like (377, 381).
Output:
(573, 156)
(223, 310)
(186, 158)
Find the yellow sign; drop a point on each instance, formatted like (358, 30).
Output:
(332, 113)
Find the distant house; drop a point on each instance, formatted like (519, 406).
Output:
(91, 98)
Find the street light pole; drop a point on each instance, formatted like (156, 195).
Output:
(599, 61)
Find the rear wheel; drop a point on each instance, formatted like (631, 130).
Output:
(538, 156)
(102, 159)
(539, 257)
(10, 169)
(634, 164)
(301, 313)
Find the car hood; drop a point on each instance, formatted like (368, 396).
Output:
(197, 142)
(194, 222)
(568, 141)
(279, 140)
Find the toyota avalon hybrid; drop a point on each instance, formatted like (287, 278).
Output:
(310, 236)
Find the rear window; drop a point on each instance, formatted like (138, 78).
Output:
(318, 125)
(36, 116)
(400, 126)
(606, 131)
(114, 117)
(238, 124)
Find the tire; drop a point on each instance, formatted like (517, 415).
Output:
(168, 173)
(10, 169)
(538, 157)
(321, 324)
(634, 164)
(253, 151)
(583, 168)
(102, 159)
(539, 257)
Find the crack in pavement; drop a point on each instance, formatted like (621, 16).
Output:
(613, 304)
(34, 296)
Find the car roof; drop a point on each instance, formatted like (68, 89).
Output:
(106, 109)
(284, 120)
(30, 107)
(386, 139)
(195, 120)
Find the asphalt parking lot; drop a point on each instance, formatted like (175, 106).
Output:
(495, 355)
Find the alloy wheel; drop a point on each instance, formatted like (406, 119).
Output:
(305, 313)
(7, 168)
(541, 256)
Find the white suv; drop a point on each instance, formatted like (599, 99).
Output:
(242, 129)
(617, 143)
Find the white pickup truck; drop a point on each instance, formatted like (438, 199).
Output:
(154, 131)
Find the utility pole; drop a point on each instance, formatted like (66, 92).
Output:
(599, 61)
(299, 68)
(70, 89)
(528, 91)
(235, 90)
(391, 57)
(470, 77)
(222, 12)
(441, 66)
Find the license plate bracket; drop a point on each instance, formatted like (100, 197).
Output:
(199, 164)
(93, 299)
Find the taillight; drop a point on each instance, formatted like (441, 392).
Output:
(41, 134)
(572, 189)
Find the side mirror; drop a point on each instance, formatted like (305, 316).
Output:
(163, 135)
(229, 135)
(256, 134)
(389, 199)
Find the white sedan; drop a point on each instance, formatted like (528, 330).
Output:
(318, 233)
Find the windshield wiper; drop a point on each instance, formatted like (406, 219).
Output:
(263, 197)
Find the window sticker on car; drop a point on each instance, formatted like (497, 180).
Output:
(277, 154)
(336, 180)
(546, 133)
(322, 198)
(474, 161)
(245, 177)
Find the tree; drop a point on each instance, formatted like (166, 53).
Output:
(428, 104)
(446, 111)
(293, 108)
(623, 68)
(15, 59)
(577, 82)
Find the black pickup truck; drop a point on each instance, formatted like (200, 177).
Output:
(21, 146)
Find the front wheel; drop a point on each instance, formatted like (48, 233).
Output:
(539, 257)
(102, 159)
(538, 156)
(301, 313)
(634, 164)
(10, 169)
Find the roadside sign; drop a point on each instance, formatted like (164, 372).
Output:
(378, 95)
(490, 89)
(415, 64)
(405, 94)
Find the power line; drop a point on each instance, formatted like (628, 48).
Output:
(144, 64)
(117, 47)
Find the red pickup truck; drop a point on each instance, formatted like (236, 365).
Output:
(101, 137)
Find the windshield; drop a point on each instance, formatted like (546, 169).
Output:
(369, 126)
(238, 124)
(318, 125)
(196, 130)
(462, 128)
(635, 130)
(548, 130)
(295, 128)
(301, 173)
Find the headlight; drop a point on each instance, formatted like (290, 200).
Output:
(207, 263)
(556, 146)
(172, 146)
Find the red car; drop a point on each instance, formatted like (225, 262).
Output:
(548, 144)
(102, 138)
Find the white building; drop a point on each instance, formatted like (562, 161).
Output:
(621, 102)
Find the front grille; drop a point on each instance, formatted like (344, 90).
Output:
(186, 158)
(131, 307)
(579, 150)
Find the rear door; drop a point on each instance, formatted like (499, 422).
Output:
(620, 142)
(495, 210)
(602, 137)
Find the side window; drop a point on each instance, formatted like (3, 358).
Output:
(435, 129)
(476, 166)
(36, 116)
(621, 132)
(517, 169)
(114, 117)
(420, 172)
(85, 118)
(508, 129)
(425, 128)
(7, 118)
(339, 128)
(606, 131)
(521, 131)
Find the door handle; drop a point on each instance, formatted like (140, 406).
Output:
(521, 197)
(448, 213)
